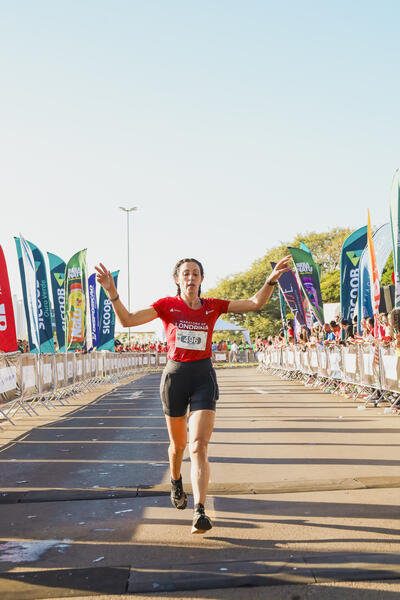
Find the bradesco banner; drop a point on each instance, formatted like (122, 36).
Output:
(106, 319)
(383, 247)
(43, 302)
(395, 229)
(94, 314)
(75, 302)
(290, 289)
(352, 250)
(309, 278)
(8, 336)
(27, 270)
(57, 279)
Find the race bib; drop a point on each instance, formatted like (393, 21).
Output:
(191, 340)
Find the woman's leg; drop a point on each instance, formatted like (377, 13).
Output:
(177, 431)
(201, 425)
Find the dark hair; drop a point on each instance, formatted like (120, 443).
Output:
(180, 263)
(371, 321)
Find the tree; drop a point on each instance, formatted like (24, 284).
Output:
(325, 248)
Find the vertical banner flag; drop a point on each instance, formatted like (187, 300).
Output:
(106, 320)
(75, 302)
(27, 269)
(57, 279)
(383, 246)
(395, 228)
(283, 314)
(43, 302)
(309, 278)
(8, 336)
(289, 287)
(94, 314)
(373, 274)
(350, 257)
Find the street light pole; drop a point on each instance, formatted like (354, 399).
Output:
(128, 211)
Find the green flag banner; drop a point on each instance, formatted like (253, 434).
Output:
(75, 302)
(307, 271)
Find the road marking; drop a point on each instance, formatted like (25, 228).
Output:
(134, 395)
(258, 390)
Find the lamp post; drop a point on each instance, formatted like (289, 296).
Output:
(128, 211)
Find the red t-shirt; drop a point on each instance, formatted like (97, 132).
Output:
(189, 332)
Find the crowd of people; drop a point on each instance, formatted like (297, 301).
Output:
(157, 346)
(340, 331)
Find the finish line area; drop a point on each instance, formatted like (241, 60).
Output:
(303, 490)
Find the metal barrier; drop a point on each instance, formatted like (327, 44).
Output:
(29, 380)
(362, 370)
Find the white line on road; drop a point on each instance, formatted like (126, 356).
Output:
(258, 390)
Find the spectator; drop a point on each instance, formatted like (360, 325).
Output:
(233, 353)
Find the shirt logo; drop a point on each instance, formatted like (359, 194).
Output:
(209, 311)
(174, 310)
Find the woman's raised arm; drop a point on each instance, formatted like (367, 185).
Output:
(126, 318)
(260, 298)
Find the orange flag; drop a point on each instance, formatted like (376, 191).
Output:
(373, 274)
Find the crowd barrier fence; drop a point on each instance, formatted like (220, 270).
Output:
(31, 380)
(358, 371)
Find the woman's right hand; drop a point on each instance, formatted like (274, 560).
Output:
(105, 278)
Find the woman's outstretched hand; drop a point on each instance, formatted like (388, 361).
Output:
(281, 267)
(105, 278)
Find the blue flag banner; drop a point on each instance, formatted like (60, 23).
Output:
(57, 279)
(43, 302)
(383, 246)
(352, 250)
(106, 320)
(94, 314)
(290, 289)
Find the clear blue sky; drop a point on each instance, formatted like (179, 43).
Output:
(231, 125)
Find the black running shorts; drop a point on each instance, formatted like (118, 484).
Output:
(188, 384)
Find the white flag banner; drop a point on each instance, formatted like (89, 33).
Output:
(31, 291)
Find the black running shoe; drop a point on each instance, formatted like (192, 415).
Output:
(178, 496)
(201, 523)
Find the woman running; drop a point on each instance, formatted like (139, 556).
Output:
(189, 379)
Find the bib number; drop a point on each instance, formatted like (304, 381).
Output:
(191, 340)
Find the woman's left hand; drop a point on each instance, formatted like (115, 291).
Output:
(281, 267)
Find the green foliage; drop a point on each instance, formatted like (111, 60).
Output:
(330, 286)
(325, 248)
(387, 272)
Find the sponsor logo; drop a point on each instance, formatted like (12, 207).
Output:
(74, 272)
(61, 304)
(37, 265)
(60, 278)
(106, 325)
(354, 256)
(209, 311)
(304, 267)
(3, 318)
(354, 275)
(174, 310)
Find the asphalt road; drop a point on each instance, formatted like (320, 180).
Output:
(304, 490)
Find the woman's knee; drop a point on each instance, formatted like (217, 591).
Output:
(198, 447)
(177, 447)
